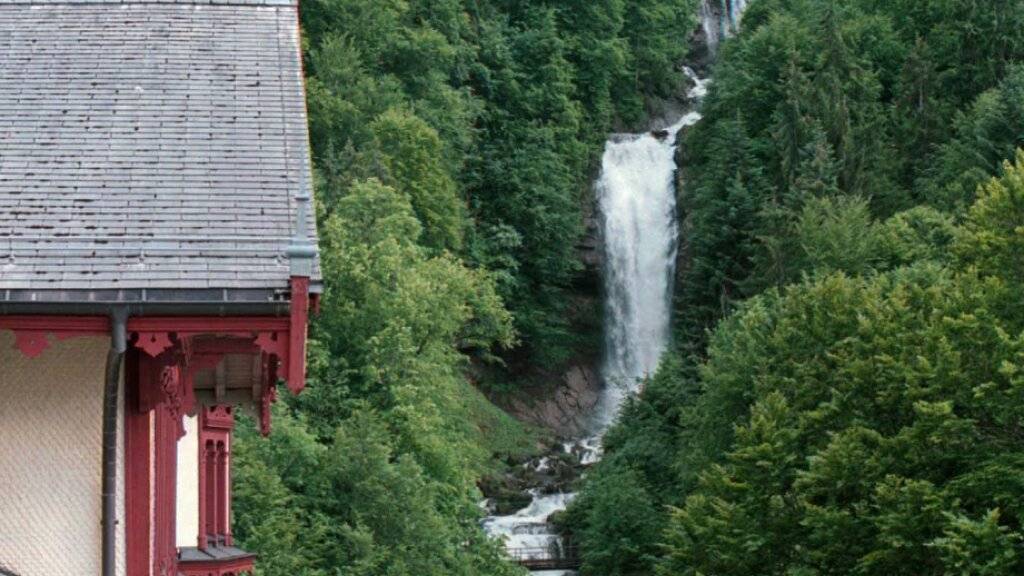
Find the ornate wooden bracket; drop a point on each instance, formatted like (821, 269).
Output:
(218, 417)
(282, 339)
(31, 333)
(32, 343)
(179, 400)
(154, 343)
(168, 342)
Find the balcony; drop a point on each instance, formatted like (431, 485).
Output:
(214, 561)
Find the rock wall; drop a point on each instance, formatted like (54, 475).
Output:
(563, 409)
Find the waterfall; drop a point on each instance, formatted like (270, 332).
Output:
(637, 200)
(711, 24)
(637, 203)
(720, 19)
(636, 195)
(734, 13)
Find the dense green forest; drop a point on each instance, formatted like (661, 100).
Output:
(845, 391)
(454, 142)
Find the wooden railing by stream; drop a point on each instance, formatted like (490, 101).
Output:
(546, 558)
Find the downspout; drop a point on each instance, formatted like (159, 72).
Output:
(301, 255)
(112, 382)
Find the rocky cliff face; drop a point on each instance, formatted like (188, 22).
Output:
(563, 409)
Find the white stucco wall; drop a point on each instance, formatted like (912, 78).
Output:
(188, 485)
(50, 458)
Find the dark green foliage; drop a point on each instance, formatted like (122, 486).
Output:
(984, 136)
(823, 98)
(844, 396)
(622, 528)
(620, 515)
(849, 429)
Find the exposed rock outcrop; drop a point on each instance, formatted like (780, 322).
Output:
(564, 409)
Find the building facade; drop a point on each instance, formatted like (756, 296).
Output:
(158, 266)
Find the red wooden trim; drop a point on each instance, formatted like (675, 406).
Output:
(31, 343)
(154, 333)
(215, 425)
(223, 494)
(284, 338)
(84, 324)
(138, 481)
(206, 324)
(165, 557)
(208, 495)
(152, 427)
(299, 323)
(30, 332)
(204, 452)
(226, 567)
(221, 346)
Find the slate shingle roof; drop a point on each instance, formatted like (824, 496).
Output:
(149, 144)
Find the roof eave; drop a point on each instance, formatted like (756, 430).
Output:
(148, 301)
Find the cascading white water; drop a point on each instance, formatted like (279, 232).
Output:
(710, 23)
(720, 19)
(636, 194)
(734, 10)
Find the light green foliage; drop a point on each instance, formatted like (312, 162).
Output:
(838, 235)
(381, 461)
(413, 155)
(978, 547)
(354, 506)
(394, 315)
(918, 235)
(452, 143)
(993, 234)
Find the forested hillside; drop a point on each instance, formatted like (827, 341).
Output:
(453, 142)
(845, 393)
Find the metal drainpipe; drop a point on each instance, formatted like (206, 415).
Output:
(115, 357)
